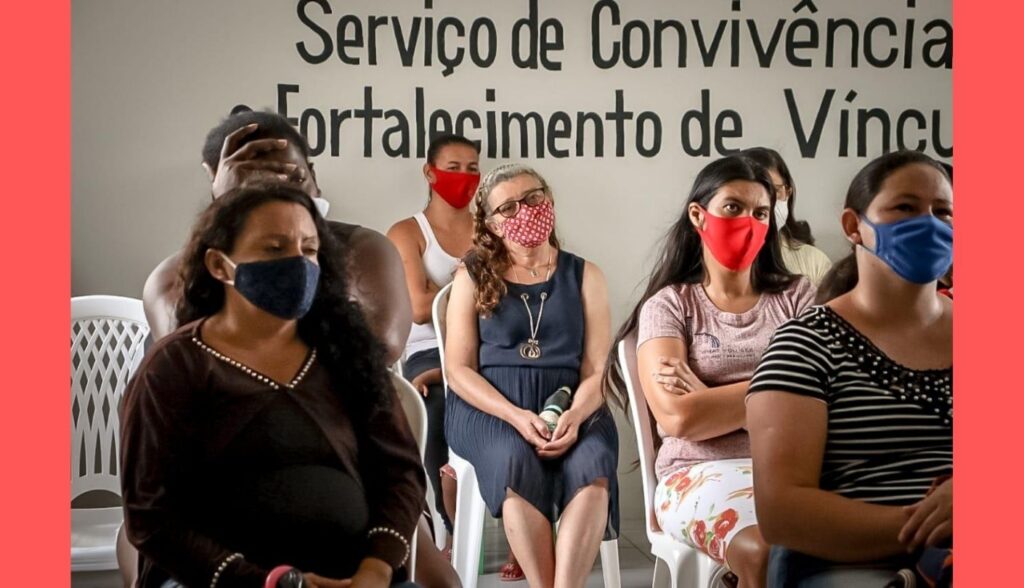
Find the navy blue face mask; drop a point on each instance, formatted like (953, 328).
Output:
(283, 287)
(919, 249)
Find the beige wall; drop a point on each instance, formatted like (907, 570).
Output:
(150, 78)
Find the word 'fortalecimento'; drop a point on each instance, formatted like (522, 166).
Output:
(703, 127)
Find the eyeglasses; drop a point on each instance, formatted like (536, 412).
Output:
(532, 198)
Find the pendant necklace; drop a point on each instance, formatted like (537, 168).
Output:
(531, 349)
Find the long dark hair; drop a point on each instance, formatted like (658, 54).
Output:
(681, 260)
(334, 326)
(865, 186)
(797, 231)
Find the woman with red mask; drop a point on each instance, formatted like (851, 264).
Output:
(711, 305)
(431, 244)
(527, 319)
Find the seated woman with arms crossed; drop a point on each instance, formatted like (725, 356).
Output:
(850, 410)
(265, 430)
(712, 303)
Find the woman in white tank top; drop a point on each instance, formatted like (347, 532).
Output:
(431, 244)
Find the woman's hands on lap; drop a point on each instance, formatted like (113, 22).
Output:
(314, 581)
(372, 573)
(426, 379)
(930, 520)
(531, 427)
(564, 436)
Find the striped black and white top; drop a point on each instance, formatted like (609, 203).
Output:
(890, 428)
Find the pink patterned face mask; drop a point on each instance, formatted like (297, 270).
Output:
(532, 225)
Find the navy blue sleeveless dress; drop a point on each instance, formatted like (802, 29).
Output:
(502, 458)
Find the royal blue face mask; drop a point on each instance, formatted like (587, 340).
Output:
(919, 249)
(283, 287)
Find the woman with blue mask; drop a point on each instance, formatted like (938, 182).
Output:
(850, 409)
(264, 432)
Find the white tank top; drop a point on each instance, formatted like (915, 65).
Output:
(440, 268)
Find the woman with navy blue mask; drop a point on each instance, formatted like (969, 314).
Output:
(850, 409)
(265, 433)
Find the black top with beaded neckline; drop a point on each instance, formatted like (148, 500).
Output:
(197, 338)
(182, 412)
(889, 426)
(907, 383)
(871, 345)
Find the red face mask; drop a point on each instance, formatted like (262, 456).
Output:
(456, 188)
(734, 242)
(532, 225)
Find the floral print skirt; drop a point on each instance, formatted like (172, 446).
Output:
(706, 504)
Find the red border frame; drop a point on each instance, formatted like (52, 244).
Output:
(35, 40)
(34, 442)
(987, 123)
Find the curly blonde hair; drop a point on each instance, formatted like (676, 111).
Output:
(488, 260)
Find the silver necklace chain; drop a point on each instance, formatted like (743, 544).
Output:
(531, 349)
(533, 270)
(540, 313)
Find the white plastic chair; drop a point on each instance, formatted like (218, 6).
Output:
(687, 567)
(415, 410)
(470, 508)
(440, 533)
(416, 414)
(107, 335)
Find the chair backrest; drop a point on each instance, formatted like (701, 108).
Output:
(415, 410)
(416, 413)
(107, 336)
(644, 426)
(440, 314)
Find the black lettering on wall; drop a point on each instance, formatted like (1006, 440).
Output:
(325, 37)
(808, 142)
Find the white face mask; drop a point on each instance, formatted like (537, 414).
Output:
(322, 206)
(781, 213)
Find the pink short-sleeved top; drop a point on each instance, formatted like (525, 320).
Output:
(722, 348)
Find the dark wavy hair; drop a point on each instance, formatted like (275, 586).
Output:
(681, 260)
(794, 230)
(334, 326)
(865, 186)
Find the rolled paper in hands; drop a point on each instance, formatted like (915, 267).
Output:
(555, 405)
